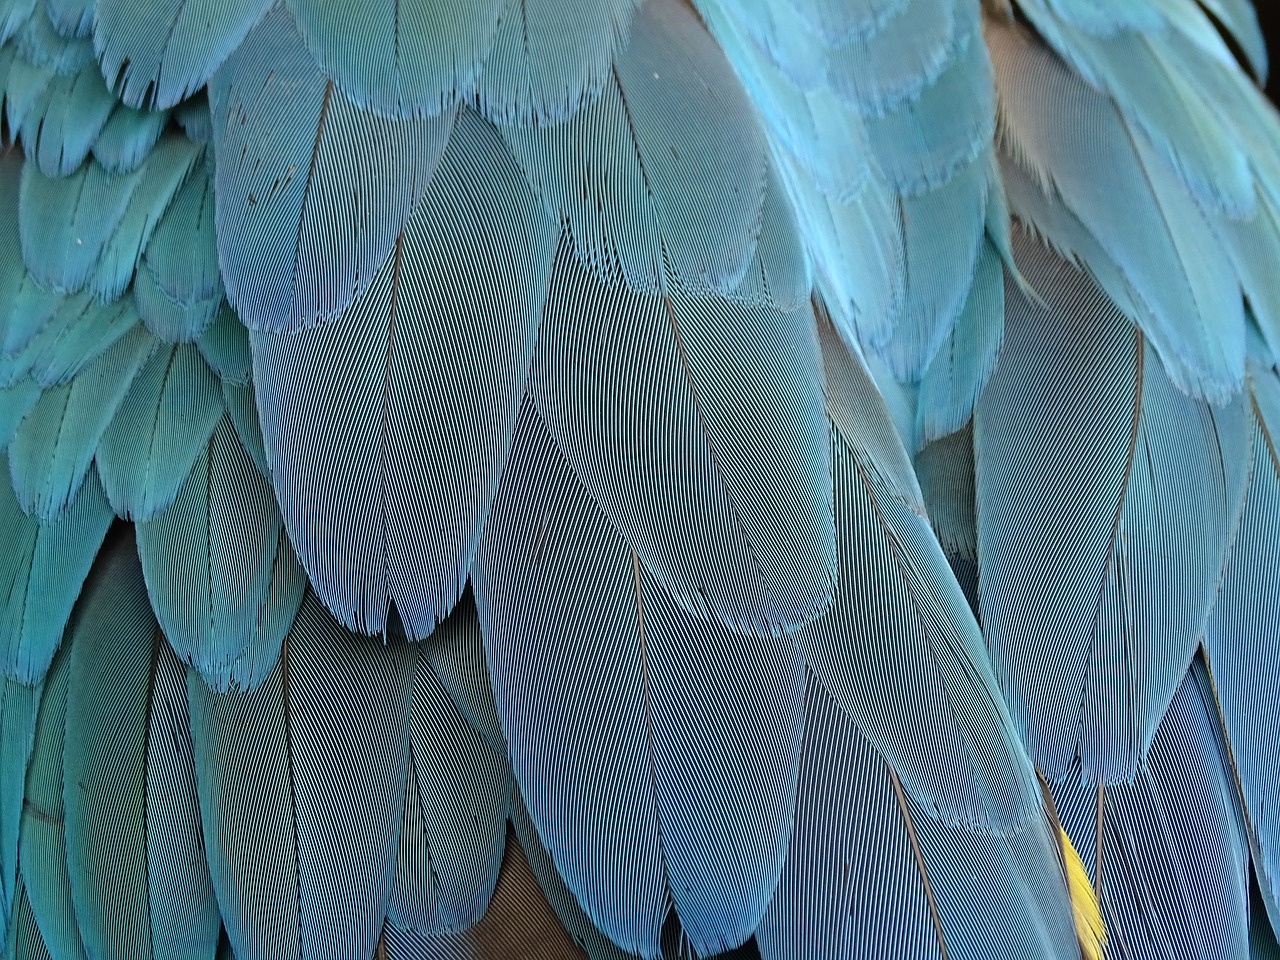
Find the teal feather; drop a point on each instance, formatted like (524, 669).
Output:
(301, 783)
(71, 18)
(19, 709)
(945, 469)
(43, 839)
(60, 129)
(53, 447)
(673, 163)
(87, 228)
(549, 57)
(27, 88)
(162, 426)
(194, 118)
(400, 57)
(1113, 588)
(127, 137)
(23, 936)
(306, 213)
(384, 494)
(70, 338)
(183, 252)
(138, 876)
(16, 402)
(221, 575)
(168, 318)
(42, 46)
(225, 347)
(42, 569)
(457, 793)
(1131, 202)
(677, 739)
(1241, 19)
(158, 55)
(960, 369)
(895, 65)
(721, 381)
(13, 15)
(242, 408)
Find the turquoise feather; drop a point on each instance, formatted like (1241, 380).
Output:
(19, 707)
(127, 137)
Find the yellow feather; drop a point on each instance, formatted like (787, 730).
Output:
(1090, 930)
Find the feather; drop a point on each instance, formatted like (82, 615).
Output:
(1241, 19)
(88, 228)
(13, 15)
(242, 408)
(960, 369)
(19, 708)
(945, 469)
(1085, 562)
(456, 796)
(138, 876)
(666, 168)
(225, 347)
(42, 569)
(76, 332)
(23, 936)
(15, 403)
(223, 580)
(548, 57)
(301, 783)
(1131, 203)
(306, 213)
(156, 56)
(58, 134)
(662, 407)
(127, 137)
(1241, 631)
(656, 752)
(44, 47)
(870, 872)
(386, 482)
(71, 18)
(1173, 864)
(53, 447)
(162, 426)
(170, 319)
(43, 850)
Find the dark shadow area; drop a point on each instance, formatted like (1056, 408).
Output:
(1269, 18)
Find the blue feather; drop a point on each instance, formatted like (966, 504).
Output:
(13, 15)
(385, 483)
(44, 47)
(871, 873)
(1174, 858)
(223, 580)
(162, 426)
(225, 347)
(457, 792)
(1240, 638)
(127, 137)
(1094, 593)
(656, 752)
(23, 936)
(71, 18)
(301, 783)
(662, 406)
(42, 568)
(162, 53)
(306, 212)
(665, 172)
(139, 882)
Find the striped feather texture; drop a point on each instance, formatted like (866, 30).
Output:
(1173, 864)
(1240, 636)
(127, 138)
(663, 406)
(223, 580)
(23, 936)
(42, 568)
(870, 873)
(301, 783)
(457, 792)
(307, 214)
(158, 55)
(19, 708)
(665, 172)
(1094, 593)
(657, 752)
(134, 852)
(386, 481)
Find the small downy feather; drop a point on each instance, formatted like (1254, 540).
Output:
(1173, 867)
(42, 568)
(159, 54)
(1086, 560)
(663, 404)
(307, 211)
(385, 483)
(657, 752)
(159, 430)
(222, 577)
(301, 786)
(139, 881)
(1240, 638)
